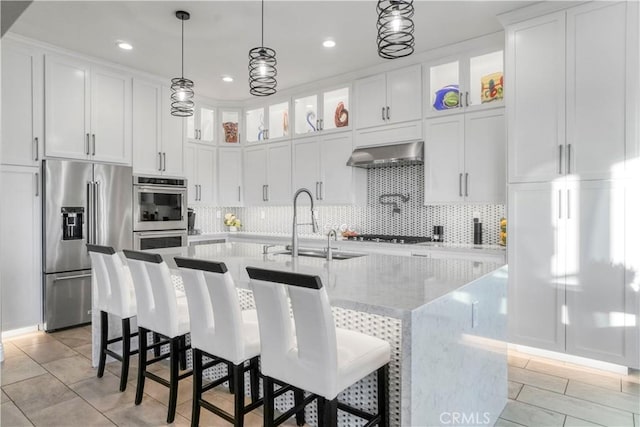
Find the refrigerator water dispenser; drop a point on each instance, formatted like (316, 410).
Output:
(72, 221)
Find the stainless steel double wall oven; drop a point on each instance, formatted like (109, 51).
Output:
(159, 212)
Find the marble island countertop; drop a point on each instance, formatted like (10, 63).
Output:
(381, 284)
(482, 251)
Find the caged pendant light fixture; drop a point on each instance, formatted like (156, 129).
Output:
(262, 68)
(395, 28)
(181, 88)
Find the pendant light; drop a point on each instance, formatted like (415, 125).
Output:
(262, 68)
(181, 88)
(395, 28)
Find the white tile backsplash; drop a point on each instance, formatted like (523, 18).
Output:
(414, 218)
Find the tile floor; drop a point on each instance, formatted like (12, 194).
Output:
(47, 380)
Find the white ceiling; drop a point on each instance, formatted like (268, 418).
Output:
(220, 33)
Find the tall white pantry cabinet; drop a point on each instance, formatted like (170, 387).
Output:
(572, 119)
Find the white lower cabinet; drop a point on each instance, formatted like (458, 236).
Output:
(201, 173)
(267, 174)
(568, 271)
(320, 165)
(465, 158)
(20, 247)
(229, 177)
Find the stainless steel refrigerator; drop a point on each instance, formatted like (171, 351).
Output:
(83, 203)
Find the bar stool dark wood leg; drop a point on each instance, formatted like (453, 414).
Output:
(254, 379)
(126, 350)
(383, 400)
(156, 339)
(197, 387)
(267, 395)
(104, 337)
(142, 363)
(183, 352)
(174, 349)
(331, 413)
(230, 373)
(298, 397)
(238, 399)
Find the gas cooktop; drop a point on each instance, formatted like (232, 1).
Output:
(382, 238)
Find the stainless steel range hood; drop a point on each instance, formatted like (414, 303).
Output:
(409, 153)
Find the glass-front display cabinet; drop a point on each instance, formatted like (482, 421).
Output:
(201, 126)
(323, 111)
(229, 128)
(470, 82)
(267, 123)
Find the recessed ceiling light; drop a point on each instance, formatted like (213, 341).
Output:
(124, 45)
(328, 43)
(227, 79)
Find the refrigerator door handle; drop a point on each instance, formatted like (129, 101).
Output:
(96, 209)
(78, 276)
(89, 222)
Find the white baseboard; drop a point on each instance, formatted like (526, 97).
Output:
(563, 357)
(20, 331)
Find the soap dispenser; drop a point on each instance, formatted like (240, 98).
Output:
(477, 230)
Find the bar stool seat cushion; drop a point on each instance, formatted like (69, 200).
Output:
(358, 356)
(250, 340)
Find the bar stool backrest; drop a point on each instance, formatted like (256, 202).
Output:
(155, 293)
(113, 282)
(214, 309)
(310, 362)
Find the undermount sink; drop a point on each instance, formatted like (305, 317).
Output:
(320, 253)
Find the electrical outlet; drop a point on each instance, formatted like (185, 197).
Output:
(218, 214)
(474, 314)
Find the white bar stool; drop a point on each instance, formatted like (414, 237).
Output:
(321, 359)
(115, 296)
(161, 311)
(223, 332)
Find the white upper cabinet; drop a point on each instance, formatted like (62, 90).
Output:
(87, 111)
(319, 164)
(598, 97)
(535, 98)
(267, 174)
(201, 165)
(389, 98)
(322, 111)
(157, 134)
(465, 158)
(270, 122)
(172, 138)
(22, 102)
(576, 121)
(201, 127)
(229, 177)
(465, 83)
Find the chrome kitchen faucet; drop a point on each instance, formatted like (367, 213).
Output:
(313, 223)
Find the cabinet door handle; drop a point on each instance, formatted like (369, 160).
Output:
(568, 158)
(420, 255)
(86, 144)
(159, 161)
(318, 190)
(460, 185)
(388, 115)
(321, 124)
(267, 192)
(264, 193)
(466, 98)
(93, 138)
(239, 193)
(37, 155)
(568, 204)
(466, 184)
(321, 190)
(383, 113)
(560, 159)
(164, 162)
(559, 204)
(318, 124)
(37, 184)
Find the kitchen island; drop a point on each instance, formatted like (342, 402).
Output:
(444, 318)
